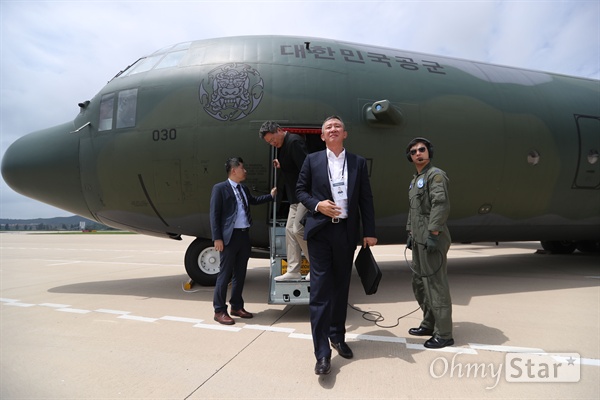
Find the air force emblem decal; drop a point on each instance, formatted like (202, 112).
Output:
(231, 92)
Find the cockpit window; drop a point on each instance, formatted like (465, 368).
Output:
(177, 47)
(144, 65)
(181, 46)
(170, 60)
(106, 112)
(126, 108)
(163, 58)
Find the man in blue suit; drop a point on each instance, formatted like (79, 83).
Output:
(334, 186)
(230, 222)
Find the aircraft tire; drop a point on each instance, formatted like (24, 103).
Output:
(559, 247)
(202, 262)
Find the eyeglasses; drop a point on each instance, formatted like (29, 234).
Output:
(272, 140)
(420, 150)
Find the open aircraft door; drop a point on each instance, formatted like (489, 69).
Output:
(296, 291)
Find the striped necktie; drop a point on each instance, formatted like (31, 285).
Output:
(246, 209)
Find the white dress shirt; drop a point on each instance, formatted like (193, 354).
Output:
(241, 221)
(338, 180)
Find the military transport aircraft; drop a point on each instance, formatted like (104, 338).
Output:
(521, 147)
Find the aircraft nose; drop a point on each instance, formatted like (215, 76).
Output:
(44, 165)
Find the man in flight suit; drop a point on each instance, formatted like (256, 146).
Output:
(429, 240)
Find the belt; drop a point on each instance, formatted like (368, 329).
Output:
(338, 220)
(241, 229)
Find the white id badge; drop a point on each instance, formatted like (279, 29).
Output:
(340, 197)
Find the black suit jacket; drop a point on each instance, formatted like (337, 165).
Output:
(313, 186)
(223, 209)
(291, 157)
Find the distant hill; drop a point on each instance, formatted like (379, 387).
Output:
(71, 223)
(74, 219)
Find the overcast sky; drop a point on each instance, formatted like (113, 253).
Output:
(55, 54)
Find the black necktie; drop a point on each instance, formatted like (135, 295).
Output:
(246, 209)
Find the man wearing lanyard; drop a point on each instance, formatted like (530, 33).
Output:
(334, 186)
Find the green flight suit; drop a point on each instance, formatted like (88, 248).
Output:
(429, 210)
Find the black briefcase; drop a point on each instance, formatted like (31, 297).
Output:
(368, 270)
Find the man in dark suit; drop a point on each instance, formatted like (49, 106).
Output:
(292, 152)
(230, 222)
(334, 186)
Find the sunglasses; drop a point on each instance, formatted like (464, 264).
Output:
(420, 150)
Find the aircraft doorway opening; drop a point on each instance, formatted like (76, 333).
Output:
(312, 138)
(288, 291)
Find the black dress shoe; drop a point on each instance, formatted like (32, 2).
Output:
(420, 331)
(343, 349)
(323, 366)
(437, 343)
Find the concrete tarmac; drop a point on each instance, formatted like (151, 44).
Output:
(104, 316)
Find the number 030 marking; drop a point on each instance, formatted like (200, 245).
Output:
(164, 134)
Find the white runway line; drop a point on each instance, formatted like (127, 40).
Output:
(182, 319)
(138, 318)
(115, 312)
(73, 310)
(471, 349)
(218, 327)
(505, 349)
